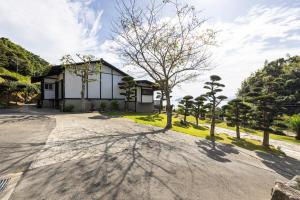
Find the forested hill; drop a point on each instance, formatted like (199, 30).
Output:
(283, 77)
(17, 59)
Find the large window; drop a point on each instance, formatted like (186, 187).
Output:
(147, 92)
(48, 86)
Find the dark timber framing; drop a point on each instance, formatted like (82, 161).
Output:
(112, 84)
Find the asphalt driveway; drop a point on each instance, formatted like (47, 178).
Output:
(88, 156)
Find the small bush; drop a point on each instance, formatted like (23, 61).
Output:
(92, 108)
(68, 108)
(295, 125)
(114, 105)
(102, 106)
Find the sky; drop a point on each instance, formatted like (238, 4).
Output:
(249, 32)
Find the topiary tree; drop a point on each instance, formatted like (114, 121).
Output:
(234, 111)
(128, 87)
(294, 123)
(266, 108)
(186, 104)
(214, 87)
(198, 108)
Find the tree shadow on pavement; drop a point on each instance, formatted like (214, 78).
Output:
(131, 164)
(284, 165)
(218, 152)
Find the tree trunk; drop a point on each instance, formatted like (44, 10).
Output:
(213, 124)
(184, 118)
(238, 135)
(197, 120)
(82, 95)
(266, 139)
(160, 104)
(169, 111)
(298, 135)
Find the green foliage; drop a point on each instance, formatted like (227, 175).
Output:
(17, 59)
(68, 108)
(294, 123)
(185, 106)
(128, 89)
(282, 77)
(114, 105)
(198, 108)
(214, 87)
(102, 106)
(236, 112)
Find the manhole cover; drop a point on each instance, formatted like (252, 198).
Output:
(3, 184)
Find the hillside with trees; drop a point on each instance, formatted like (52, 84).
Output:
(281, 78)
(15, 58)
(17, 66)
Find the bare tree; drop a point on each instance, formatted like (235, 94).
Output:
(170, 50)
(85, 69)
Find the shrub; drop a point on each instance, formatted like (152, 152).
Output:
(114, 105)
(92, 108)
(295, 125)
(102, 106)
(68, 108)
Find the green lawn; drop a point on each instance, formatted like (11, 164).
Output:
(248, 130)
(201, 131)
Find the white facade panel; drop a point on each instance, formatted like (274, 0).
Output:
(147, 98)
(49, 93)
(105, 69)
(106, 86)
(138, 94)
(94, 86)
(116, 89)
(72, 85)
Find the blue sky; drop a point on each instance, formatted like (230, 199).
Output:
(250, 31)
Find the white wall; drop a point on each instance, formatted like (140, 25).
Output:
(117, 90)
(138, 94)
(94, 86)
(144, 98)
(106, 86)
(147, 98)
(49, 94)
(72, 85)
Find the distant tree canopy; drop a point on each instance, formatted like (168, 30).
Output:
(17, 59)
(282, 76)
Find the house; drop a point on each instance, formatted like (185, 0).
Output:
(60, 88)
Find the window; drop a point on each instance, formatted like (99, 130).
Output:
(147, 92)
(48, 86)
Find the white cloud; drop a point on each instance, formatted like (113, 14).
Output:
(50, 28)
(244, 44)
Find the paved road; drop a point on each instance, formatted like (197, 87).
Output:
(88, 156)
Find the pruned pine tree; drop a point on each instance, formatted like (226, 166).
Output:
(214, 87)
(169, 50)
(128, 86)
(198, 108)
(235, 114)
(266, 110)
(85, 69)
(186, 105)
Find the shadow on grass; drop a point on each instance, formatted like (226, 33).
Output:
(179, 124)
(150, 118)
